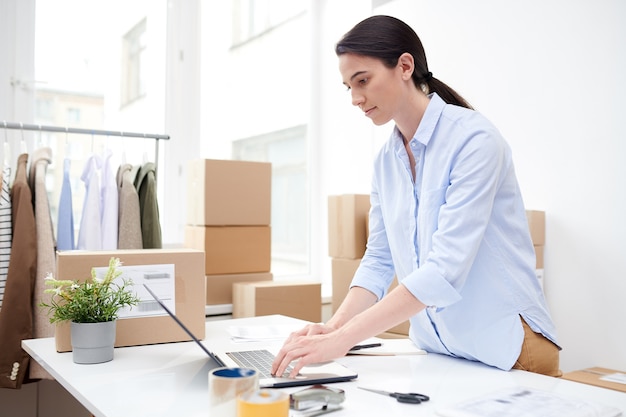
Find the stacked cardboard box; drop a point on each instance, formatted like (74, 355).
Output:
(537, 225)
(228, 217)
(347, 238)
(348, 216)
(301, 299)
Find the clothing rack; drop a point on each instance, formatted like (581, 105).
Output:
(42, 128)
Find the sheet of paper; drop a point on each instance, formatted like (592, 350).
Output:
(618, 377)
(261, 333)
(524, 402)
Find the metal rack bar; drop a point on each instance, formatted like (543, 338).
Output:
(25, 126)
(78, 130)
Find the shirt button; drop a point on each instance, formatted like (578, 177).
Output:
(16, 365)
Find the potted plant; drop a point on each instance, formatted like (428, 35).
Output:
(92, 307)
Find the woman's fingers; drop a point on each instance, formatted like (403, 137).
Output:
(300, 349)
(285, 356)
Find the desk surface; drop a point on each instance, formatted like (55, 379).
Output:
(171, 379)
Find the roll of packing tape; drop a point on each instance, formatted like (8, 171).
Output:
(263, 403)
(225, 385)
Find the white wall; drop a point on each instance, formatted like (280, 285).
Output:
(254, 88)
(550, 75)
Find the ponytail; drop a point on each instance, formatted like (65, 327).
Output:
(386, 38)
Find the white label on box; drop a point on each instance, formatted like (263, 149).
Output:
(160, 278)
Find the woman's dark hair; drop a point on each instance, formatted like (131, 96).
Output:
(386, 38)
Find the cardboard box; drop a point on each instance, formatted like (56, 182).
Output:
(539, 256)
(537, 224)
(219, 288)
(189, 287)
(301, 299)
(592, 376)
(229, 193)
(347, 224)
(231, 249)
(342, 271)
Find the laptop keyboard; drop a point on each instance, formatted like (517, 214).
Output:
(261, 360)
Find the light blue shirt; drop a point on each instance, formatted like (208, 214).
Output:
(457, 238)
(65, 214)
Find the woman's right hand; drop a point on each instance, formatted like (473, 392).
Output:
(312, 344)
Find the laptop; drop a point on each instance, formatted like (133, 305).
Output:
(261, 360)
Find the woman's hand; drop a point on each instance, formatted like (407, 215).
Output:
(311, 329)
(323, 342)
(314, 343)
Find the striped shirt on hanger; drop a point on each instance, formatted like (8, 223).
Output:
(5, 229)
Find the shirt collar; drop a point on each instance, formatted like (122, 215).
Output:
(428, 123)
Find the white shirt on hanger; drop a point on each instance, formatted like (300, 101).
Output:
(110, 205)
(90, 232)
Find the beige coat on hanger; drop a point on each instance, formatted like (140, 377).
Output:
(46, 257)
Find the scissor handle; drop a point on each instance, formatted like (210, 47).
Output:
(407, 398)
(410, 397)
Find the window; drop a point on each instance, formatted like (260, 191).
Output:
(73, 115)
(90, 82)
(134, 64)
(251, 18)
(44, 109)
(286, 151)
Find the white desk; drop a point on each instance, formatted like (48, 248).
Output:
(171, 379)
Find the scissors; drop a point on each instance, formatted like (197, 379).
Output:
(401, 397)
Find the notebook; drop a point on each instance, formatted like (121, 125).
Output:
(261, 360)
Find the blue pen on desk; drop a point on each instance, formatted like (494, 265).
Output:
(367, 346)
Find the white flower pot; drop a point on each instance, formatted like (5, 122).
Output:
(93, 342)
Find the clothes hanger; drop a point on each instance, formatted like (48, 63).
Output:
(40, 142)
(7, 147)
(67, 142)
(123, 149)
(23, 147)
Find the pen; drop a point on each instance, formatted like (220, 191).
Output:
(359, 347)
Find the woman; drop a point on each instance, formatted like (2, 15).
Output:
(446, 217)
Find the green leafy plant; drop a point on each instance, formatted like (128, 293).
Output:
(93, 301)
